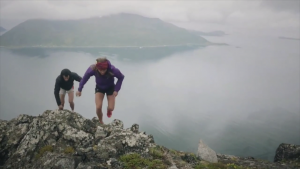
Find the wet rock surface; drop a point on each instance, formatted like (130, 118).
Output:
(62, 139)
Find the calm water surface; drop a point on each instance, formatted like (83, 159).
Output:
(242, 99)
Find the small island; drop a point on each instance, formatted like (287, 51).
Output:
(282, 37)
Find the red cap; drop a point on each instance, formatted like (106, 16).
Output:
(102, 65)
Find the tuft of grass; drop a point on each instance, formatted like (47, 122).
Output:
(43, 150)
(69, 150)
(234, 166)
(135, 161)
(234, 158)
(156, 153)
(174, 152)
(193, 155)
(201, 166)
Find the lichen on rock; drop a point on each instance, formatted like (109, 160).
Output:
(63, 139)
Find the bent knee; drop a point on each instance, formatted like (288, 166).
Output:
(110, 108)
(71, 102)
(99, 106)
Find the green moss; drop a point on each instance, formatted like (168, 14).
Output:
(135, 161)
(189, 157)
(218, 166)
(153, 164)
(69, 150)
(159, 153)
(201, 166)
(174, 152)
(193, 155)
(43, 150)
(156, 152)
(234, 166)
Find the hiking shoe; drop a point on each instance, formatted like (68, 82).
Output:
(109, 113)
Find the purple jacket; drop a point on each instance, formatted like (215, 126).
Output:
(105, 81)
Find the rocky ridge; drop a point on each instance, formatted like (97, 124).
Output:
(62, 139)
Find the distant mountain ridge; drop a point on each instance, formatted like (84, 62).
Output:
(2, 29)
(213, 33)
(114, 30)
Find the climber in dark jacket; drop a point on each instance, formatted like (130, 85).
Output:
(65, 84)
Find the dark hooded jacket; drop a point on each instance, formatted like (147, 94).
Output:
(66, 85)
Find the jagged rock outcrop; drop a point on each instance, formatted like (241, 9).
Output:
(62, 139)
(287, 153)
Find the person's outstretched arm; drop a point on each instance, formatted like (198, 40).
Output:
(118, 74)
(76, 77)
(56, 91)
(89, 72)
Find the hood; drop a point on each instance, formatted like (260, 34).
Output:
(65, 72)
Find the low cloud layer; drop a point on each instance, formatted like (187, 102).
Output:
(283, 6)
(279, 18)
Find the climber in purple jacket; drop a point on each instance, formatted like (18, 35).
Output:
(104, 73)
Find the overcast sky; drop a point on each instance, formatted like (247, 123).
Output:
(275, 18)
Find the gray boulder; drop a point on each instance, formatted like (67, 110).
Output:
(206, 153)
